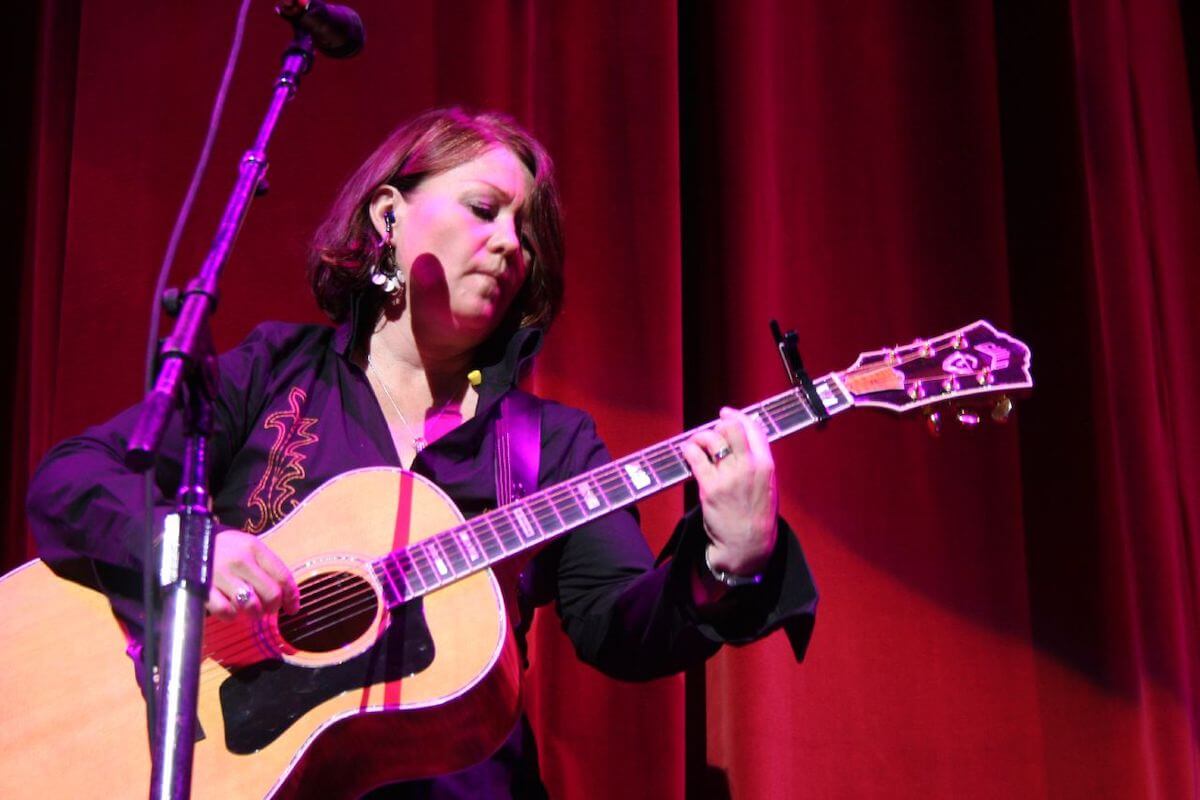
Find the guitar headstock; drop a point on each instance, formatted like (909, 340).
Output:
(973, 369)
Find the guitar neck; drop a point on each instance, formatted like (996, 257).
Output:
(489, 538)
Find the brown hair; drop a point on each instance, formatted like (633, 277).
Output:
(346, 244)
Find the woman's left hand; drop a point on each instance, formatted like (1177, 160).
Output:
(736, 475)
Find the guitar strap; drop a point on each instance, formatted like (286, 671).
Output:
(518, 453)
(518, 446)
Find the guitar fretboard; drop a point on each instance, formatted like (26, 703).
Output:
(477, 544)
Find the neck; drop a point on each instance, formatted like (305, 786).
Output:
(411, 365)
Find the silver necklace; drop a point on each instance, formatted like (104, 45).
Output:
(419, 442)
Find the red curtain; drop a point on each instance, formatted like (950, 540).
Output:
(1007, 613)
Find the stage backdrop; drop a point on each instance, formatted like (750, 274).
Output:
(1006, 613)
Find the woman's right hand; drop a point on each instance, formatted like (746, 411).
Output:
(248, 578)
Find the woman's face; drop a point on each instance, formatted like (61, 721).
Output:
(459, 242)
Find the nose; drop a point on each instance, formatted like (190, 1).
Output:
(505, 239)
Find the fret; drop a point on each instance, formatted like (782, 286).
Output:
(638, 476)
(469, 545)
(589, 494)
(830, 394)
(794, 416)
(762, 415)
(774, 411)
(783, 403)
(614, 485)
(505, 529)
(525, 522)
(423, 564)
(453, 552)
(438, 558)
(485, 534)
(568, 505)
(383, 574)
(667, 463)
(546, 516)
(408, 572)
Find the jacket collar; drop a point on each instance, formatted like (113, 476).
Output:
(500, 368)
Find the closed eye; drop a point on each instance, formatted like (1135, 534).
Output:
(485, 212)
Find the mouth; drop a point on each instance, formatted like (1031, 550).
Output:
(489, 285)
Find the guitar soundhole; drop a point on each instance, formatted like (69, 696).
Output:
(335, 609)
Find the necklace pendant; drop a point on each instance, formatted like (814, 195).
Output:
(419, 443)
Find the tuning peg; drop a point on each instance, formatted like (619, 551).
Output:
(967, 418)
(933, 422)
(1002, 408)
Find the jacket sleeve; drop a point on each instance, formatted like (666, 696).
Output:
(86, 509)
(636, 620)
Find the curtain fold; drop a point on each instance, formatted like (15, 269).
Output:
(33, 355)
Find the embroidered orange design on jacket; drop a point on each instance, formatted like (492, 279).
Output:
(272, 498)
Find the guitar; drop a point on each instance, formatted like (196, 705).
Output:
(396, 666)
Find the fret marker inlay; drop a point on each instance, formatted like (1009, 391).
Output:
(589, 497)
(826, 395)
(469, 546)
(638, 476)
(523, 521)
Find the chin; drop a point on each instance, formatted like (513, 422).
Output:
(480, 321)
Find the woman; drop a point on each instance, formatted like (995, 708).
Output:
(441, 262)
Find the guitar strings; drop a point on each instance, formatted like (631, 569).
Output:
(915, 355)
(336, 599)
(292, 627)
(323, 611)
(315, 589)
(542, 505)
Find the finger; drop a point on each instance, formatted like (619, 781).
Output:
(240, 598)
(697, 459)
(734, 431)
(710, 441)
(219, 606)
(273, 565)
(227, 584)
(265, 589)
(755, 436)
(246, 600)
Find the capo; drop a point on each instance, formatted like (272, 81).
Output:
(794, 365)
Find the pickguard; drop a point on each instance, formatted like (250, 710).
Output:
(261, 701)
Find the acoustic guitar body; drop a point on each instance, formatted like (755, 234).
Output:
(341, 697)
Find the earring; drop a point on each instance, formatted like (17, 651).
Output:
(385, 273)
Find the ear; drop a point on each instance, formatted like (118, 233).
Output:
(386, 198)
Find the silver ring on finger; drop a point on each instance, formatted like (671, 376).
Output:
(721, 454)
(242, 596)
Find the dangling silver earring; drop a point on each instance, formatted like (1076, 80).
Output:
(385, 272)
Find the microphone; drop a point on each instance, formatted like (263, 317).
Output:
(337, 31)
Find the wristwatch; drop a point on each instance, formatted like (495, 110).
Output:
(728, 578)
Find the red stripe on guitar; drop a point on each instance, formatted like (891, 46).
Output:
(400, 537)
(401, 532)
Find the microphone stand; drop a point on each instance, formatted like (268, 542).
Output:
(188, 378)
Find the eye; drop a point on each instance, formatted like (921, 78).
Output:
(485, 211)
